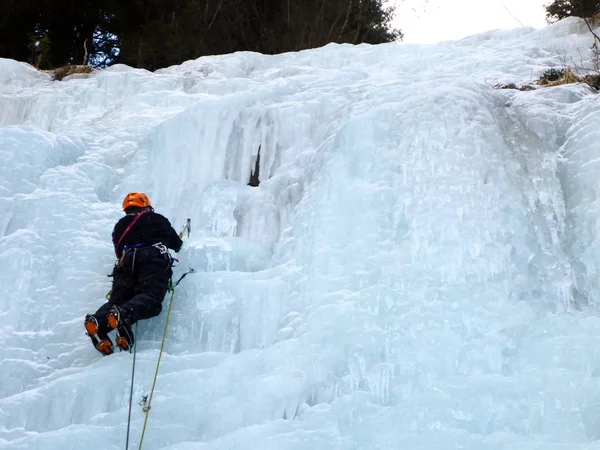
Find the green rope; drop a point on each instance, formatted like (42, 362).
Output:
(146, 408)
(131, 391)
(162, 345)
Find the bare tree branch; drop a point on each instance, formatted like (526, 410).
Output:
(212, 21)
(345, 24)
(591, 30)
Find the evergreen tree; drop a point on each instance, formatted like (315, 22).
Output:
(559, 9)
(157, 33)
(18, 20)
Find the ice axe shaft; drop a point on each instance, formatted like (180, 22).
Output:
(187, 227)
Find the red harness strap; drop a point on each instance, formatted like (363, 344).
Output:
(126, 230)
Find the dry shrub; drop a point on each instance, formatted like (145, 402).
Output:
(568, 77)
(65, 71)
(593, 80)
(525, 87)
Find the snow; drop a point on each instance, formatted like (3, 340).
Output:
(418, 268)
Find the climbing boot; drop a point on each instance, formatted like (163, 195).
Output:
(119, 316)
(119, 319)
(101, 342)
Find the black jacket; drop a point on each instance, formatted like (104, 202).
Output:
(150, 228)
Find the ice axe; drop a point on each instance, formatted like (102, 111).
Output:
(187, 227)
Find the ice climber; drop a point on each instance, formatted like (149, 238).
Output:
(141, 274)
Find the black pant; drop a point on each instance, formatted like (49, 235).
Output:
(139, 285)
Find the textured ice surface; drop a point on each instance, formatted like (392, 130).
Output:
(418, 268)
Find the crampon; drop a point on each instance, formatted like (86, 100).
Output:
(116, 321)
(102, 343)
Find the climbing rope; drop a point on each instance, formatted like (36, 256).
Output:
(146, 401)
(131, 392)
(147, 405)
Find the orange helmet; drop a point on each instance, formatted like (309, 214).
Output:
(138, 199)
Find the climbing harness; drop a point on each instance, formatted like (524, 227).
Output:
(125, 252)
(162, 248)
(166, 253)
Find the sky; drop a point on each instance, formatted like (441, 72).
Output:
(431, 21)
